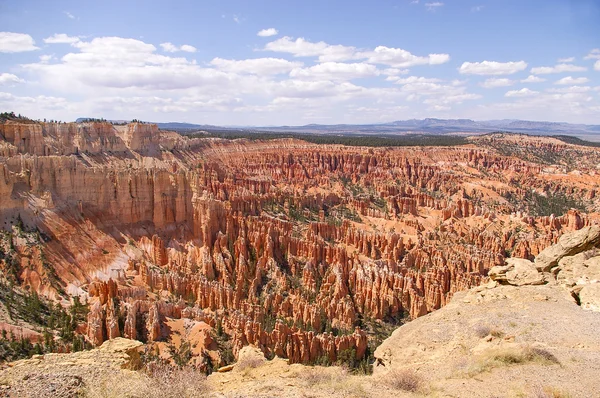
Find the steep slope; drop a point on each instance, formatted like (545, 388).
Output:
(506, 338)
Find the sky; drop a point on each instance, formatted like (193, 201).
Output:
(289, 62)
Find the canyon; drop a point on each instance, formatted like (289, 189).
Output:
(312, 253)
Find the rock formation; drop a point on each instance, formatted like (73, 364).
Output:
(296, 248)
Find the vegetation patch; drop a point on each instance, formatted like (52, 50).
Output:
(384, 140)
(404, 380)
(158, 381)
(508, 356)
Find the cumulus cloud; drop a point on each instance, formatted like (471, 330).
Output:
(46, 58)
(11, 42)
(33, 105)
(497, 82)
(566, 60)
(399, 58)
(304, 48)
(560, 68)
(121, 63)
(69, 15)
(9, 79)
(267, 32)
(573, 107)
(569, 80)
(492, 68)
(572, 89)
(533, 79)
(109, 67)
(258, 66)
(172, 48)
(61, 38)
(416, 79)
(394, 71)
(524, 92)
(597, 66)
(393, 57)
(335, 71)
(594, 54)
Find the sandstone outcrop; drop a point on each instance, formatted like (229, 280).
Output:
(568, 245)
(517, 272)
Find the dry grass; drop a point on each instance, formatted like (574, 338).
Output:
(404, 380)
(549, 392)
(245, 366)
(333, 381)
(160, 381)
(511, 356)
(482, 331)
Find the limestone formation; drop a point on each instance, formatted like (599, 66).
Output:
(517, 272)
(568, 245)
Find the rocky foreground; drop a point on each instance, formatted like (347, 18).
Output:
(522, 334)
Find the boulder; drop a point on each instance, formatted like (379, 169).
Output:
(517, 272)
(120, 344)
(589, 297)
(568, 245)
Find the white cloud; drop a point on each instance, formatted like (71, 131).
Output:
(452, 99)
(187, 48)
(497, 82)
(572, 81)
(570, 107)
(560, 68)
(9, 78)
(172, 48)
(16, 42)
(335, 71)
(438, 95)
(69, 15)
(33, 105)
(524, 92)
(394, 57)
(415, 79)
(533, 79)
(122, 63)
(597, 65)
(61, 38)
(433, 6)
(304, 48)
(258, 66)
(477, 8)
(267, 32)
(566, 60)
(572, 89)
(46, 58)
(237, 19)
(399, 58)
(394, 72)
(594, 54)
(492, 68)
(169, 47)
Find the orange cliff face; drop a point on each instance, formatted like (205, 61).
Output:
(297, 248)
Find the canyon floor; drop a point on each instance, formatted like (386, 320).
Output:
(313, 254)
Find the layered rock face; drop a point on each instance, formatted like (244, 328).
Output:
(296, 248)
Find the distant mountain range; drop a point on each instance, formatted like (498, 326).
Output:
(427, 126)
(418, 126)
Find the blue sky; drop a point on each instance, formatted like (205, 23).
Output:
(299, 62)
